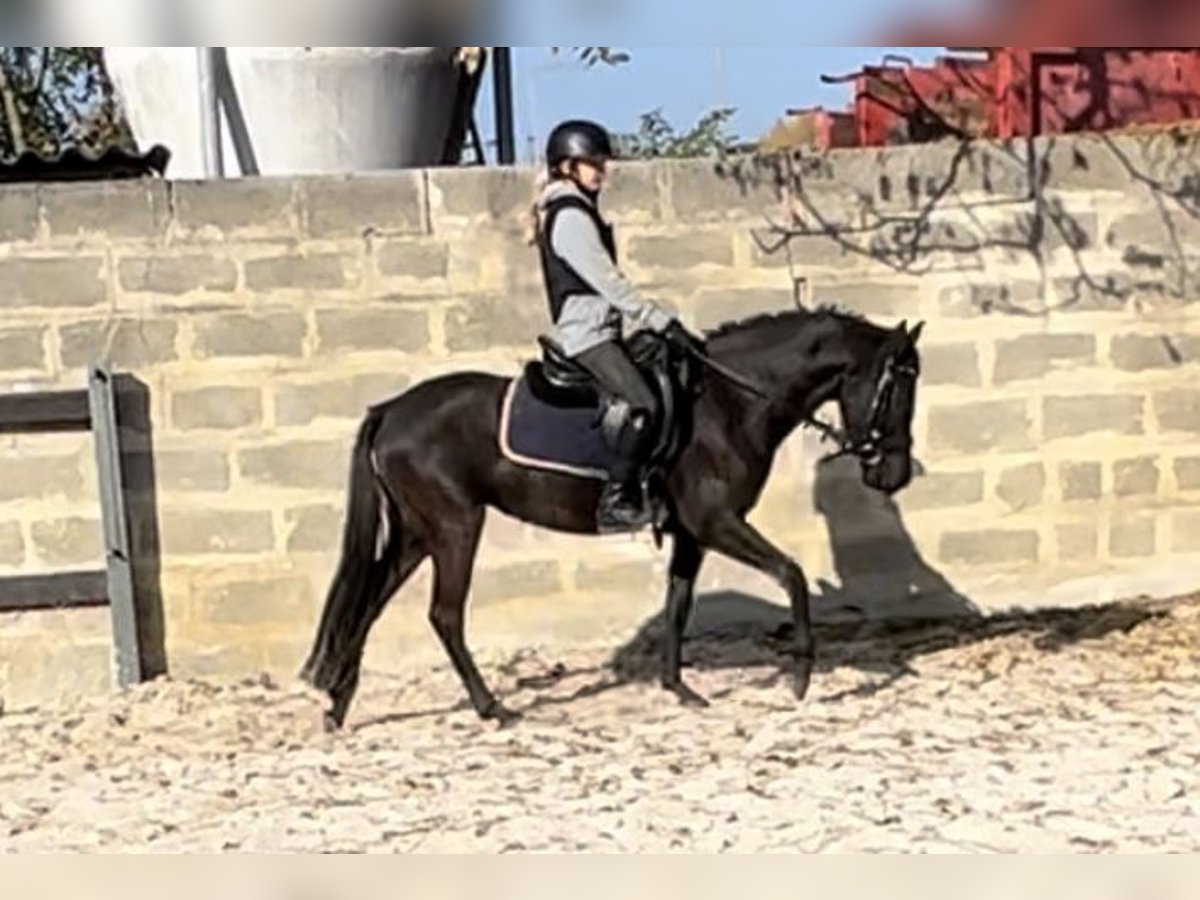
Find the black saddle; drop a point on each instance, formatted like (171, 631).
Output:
(672, 374)
(559, 380)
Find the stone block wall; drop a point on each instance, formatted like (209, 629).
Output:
(1057, 426)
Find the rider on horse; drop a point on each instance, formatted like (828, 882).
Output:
(590, 301)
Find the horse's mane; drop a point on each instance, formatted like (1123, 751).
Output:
(823, 311)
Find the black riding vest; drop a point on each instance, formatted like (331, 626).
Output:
(560, 279)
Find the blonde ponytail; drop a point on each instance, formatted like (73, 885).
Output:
(533, 224)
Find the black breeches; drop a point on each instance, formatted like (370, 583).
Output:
(616, 374)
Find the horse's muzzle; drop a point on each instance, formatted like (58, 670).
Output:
(887, 472)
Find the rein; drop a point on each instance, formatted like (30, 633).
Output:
(867, 447)
(729, 375)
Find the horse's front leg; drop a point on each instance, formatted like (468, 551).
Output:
(686, 557)
(739, 540)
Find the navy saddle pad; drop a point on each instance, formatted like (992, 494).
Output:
(540, 435)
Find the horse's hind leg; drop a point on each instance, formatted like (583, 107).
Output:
(385, 580)
(453, 552)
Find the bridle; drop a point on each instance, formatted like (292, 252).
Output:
(872, 443)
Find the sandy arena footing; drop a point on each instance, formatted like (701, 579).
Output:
(1063, 731)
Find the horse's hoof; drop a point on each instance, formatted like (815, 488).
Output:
(800, 685)
(502, 716)
(508, 719)
(686, 696)
(331, 723)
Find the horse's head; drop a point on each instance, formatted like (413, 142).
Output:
(799, 360)
(877, 398)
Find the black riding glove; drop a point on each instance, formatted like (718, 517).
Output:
(682, 338)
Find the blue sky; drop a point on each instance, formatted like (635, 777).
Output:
(761, 82)
(611, 22)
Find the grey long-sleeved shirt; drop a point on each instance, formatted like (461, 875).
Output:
(589, 319)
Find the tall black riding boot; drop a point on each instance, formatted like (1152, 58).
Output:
(623, 506)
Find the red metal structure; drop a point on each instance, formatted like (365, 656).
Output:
(1148, 24)
(1022, 91)
(903, 103)
(1052, 90)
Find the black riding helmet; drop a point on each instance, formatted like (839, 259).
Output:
(577, 139)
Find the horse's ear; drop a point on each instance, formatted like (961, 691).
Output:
(916, 332)
(903, 326)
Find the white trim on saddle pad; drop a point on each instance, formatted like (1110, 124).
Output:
(528, 461)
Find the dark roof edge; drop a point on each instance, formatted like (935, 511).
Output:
(77, 164)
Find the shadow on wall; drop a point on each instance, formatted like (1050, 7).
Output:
(879, 567)
(951, 207)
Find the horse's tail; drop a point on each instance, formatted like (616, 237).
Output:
(371, 529)
(368, 517)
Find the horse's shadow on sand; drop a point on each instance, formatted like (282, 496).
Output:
(890, 608)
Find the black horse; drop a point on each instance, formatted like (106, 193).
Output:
(426, 466)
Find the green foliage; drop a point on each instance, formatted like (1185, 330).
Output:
(657, 137)
(54, 98)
